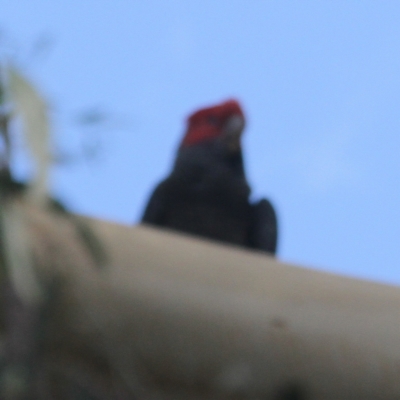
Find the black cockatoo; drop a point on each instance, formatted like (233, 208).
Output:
(207, 193)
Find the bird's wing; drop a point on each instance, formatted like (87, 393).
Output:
(156, 206)
(264, 227)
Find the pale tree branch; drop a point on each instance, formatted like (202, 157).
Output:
(173, 317)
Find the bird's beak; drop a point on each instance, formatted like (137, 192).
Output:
(233, 131)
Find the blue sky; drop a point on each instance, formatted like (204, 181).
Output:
(319, 81)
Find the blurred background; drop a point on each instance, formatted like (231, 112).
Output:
(319, 82)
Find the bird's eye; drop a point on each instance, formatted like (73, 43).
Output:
(212, 120)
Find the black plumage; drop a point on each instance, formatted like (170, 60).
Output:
(206, 193)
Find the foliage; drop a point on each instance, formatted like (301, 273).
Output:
(25, 296)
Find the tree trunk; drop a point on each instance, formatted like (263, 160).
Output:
(174, 317)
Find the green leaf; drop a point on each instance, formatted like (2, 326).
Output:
(18, 255)
(32, 110)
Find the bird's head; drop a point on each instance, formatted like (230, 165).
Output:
(222, 123)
